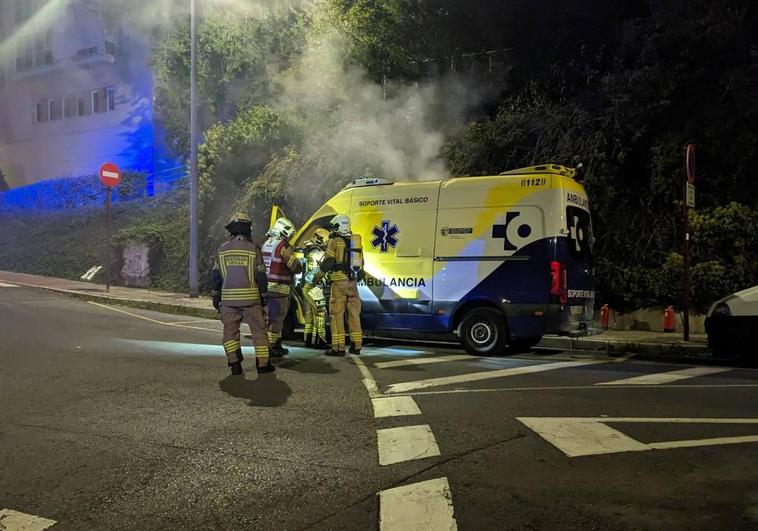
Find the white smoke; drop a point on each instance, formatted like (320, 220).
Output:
(352, 122)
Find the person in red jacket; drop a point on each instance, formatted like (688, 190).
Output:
(281, 265)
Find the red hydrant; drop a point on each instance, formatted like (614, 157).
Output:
(669, 319)
(605, 313)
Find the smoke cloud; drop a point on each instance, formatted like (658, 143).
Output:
(358, 125)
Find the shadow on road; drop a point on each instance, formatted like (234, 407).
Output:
(311, 366)
(265, 391)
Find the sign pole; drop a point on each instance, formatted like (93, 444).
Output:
(689, 202)
(109, 222)
(686, 287)
(110, 176)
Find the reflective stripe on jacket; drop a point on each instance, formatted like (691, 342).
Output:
(281, 265)
(238, 260)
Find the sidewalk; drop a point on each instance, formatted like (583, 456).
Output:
(159, 301)
(653, 344)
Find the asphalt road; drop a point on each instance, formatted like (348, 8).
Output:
(114, 418)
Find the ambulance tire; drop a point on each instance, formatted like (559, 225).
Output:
(484, 332)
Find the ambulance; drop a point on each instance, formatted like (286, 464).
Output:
(496, 261)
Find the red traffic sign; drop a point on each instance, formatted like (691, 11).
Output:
(690, 163)
(110, 175)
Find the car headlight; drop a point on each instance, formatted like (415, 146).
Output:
(722, 309)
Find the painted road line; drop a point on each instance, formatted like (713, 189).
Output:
(580, 436)
(577, 388)
(395, 406)
(368, 381)
(151, 320)
(4, 285)
(407, 443)
(667, 377)
(423, 361)
(427, 505)
(11, 520)
(487, 375)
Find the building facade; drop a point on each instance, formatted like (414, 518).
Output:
(76, 90)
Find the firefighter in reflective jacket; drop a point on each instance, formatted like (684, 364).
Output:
(343, 261)
(281, 266)
(239, 286)
(313, 293)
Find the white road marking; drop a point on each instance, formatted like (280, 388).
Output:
(427, 505)
(577, 388)
(487, 375)
(397, 445)
(11, 520)
(579, 436)
(395, 406)
(151, 320)
(667, 377)
(368, 381)
(4, 285)
(423, 361)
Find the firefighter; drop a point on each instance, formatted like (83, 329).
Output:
(313, 293)
(343, 260)
(281, 266)
(239, 291)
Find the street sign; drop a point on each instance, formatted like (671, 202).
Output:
(109, 174)
(690, 195)
(690, 163)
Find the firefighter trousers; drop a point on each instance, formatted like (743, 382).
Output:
(344, 297)
(315, 320)
(277, 308)
(232, 317)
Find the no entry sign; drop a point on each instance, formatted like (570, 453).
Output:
(110, 175)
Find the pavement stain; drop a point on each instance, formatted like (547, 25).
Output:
(265, 391)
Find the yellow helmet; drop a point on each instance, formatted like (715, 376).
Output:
(239, 224)
(320, 236)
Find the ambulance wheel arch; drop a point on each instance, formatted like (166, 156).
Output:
(482, 329)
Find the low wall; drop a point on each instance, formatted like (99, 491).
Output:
(651, 319)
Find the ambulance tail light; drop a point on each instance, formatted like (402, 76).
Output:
(558, 282)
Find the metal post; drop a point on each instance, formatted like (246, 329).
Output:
(193, 244)
(686, 286)
(108, 224)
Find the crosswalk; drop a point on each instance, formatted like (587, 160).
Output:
(469, 370)
(4, 285)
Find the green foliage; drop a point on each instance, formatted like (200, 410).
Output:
(238, 57)
(66, 243)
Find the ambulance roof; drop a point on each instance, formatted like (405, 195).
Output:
(554, 169)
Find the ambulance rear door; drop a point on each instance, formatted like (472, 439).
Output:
(397, 224)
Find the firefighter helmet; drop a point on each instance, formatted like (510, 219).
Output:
(239, 224)
(320, 236)
(341, 225)
(283, 228)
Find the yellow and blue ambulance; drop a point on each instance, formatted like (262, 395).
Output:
(496, 260)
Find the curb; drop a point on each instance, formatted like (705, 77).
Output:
(162, 307)
(678, 352)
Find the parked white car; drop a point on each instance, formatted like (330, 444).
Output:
(732, 324)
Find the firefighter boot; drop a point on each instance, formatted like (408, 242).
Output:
(263, 369)
(321, 344)
(236, 368)
(308, 341)
(354, 350)
(332, 352)
(278, 350)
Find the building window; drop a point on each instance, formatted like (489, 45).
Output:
(54, 109)
(43, 48)
(24, 10)
(24, 55)
(99, 103)
(41, 113)
(70, 107)
(110, 48)
(83, 105)
(111, 97)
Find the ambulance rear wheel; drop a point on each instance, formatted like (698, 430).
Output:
(484, 332)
